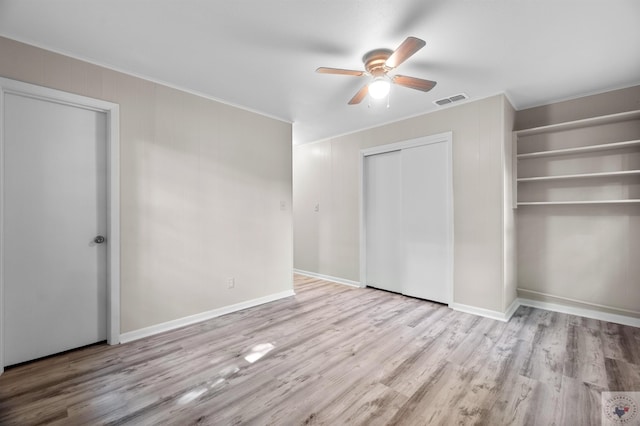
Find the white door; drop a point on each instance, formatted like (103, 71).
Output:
(383, 222)
(408, 218)
(54, 206)
(425, 222)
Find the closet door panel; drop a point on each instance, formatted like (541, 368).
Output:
(425, 222)
(383, 221)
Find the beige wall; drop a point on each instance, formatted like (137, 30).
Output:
(509, 216)
(326, 174)
(201, 187)
(582, 255)
(576, 109)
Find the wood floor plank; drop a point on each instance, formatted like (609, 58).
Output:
(579, 403)
(479, 338)
(621, 342)
(524, 401)
(546, 360)
(372, 405)
(335, 355)
(435, 345)
(585, 355)
(591, 323)
(622, 375)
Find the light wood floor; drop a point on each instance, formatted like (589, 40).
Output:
(337, 355)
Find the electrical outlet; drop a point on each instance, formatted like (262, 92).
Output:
(317, 208)
(283, 205)
(231, 282)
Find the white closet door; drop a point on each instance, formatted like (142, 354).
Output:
(425, 222)
(383, 221)
(407, 218)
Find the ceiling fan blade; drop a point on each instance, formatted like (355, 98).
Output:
(360, 95)
(414, 83)
(325, 70)
(408, 47)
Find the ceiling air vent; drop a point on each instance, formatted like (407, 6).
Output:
(451, 99)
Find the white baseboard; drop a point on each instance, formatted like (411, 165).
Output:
(549, 306)
(582, 312)
(328, 278)
(203, 316)
(488, 313)
(512, 309)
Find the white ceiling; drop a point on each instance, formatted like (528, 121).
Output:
(262, 54)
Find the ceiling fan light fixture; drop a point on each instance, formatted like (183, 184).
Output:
(379, 87)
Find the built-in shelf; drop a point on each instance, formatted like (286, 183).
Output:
(581, 175)
(560, 203)
(623, 152)
(580, 150)
(569, 125)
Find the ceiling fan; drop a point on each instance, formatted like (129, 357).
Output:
(377, 64)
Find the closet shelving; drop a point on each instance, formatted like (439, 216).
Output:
(580, 150)
(625, 173)
(581, 175)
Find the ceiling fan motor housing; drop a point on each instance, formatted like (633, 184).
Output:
(374, 61)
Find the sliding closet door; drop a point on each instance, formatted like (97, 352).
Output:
(383, 224)
(407, 218)
(425, 226)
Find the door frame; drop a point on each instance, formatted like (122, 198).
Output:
(447, 138)
(112, 112)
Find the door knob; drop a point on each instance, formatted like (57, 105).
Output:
(99, 239)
